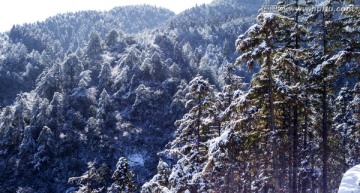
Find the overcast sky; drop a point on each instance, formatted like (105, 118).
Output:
(28, 11)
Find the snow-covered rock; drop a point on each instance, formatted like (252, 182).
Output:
(350, 182)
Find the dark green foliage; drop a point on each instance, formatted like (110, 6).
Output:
(123, 178)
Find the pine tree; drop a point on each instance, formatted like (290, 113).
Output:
(233, 83)
(28, 144)
(177, 107)
(105, 76)
(21, 113)
(50, 81)
(296, 97)
(262, 44)
(104, 113)
(164, 173)
(40, 115)
(350, 26)
(10, 135)
(84, 79)
(112, 38)
(71, 69)
(354, 130)
(93, 180)
(342, 125)
(55, 112)
(193, 125)
(324, 24)
(94, 48)
(45, 148)
(160, 181)
(123, 178)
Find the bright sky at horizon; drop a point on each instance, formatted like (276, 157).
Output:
(29, 11)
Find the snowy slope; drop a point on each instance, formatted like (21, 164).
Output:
(350, 182)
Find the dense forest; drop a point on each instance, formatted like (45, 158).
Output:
(221, 98)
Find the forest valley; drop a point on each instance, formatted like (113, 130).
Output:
(220, 98)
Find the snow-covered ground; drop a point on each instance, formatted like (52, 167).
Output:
(350, 182)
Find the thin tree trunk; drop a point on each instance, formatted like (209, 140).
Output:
(305, 180)
(295, 120)
(324, 140)
(198, 123)
(312, 161)
(219, 127)
(272, 123)
(294, 151)
(324, 118)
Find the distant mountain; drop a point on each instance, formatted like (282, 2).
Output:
(55, 36)
(72, 30)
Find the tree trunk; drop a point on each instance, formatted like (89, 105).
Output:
(295, 120)
(305, 176)
(272, 122)
(325, 147)
(198, 123)
(294, 151)
(219, 127)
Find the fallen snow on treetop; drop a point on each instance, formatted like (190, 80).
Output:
(268, 15)
(317, 70)
(350, 181)
(214, 143)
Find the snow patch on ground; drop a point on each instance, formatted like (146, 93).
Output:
(350, 182)
(136, 160)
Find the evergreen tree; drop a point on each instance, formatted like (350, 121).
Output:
(262, 44)
(40, 115)
(354, 130)
(94, 48)
(71, 69)
(296, 118)
(50, 81)
(193, 125)
(104, 113)
(105, 76)
(93, 180)
(55, 112)
(323, 73)
(45, 148)
(160, 181)
(233, 83)
(85, 79)
(112, 38)
(164, 173)
(123, 178)
(21, 113)
(28, 143)
(342, 124)
(10, 134)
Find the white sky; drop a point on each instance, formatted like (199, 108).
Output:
(28, 11)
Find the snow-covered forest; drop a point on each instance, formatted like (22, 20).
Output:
(220, 98)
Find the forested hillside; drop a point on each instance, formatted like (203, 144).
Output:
(39, 45)
(219, 98)
(77, 96)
